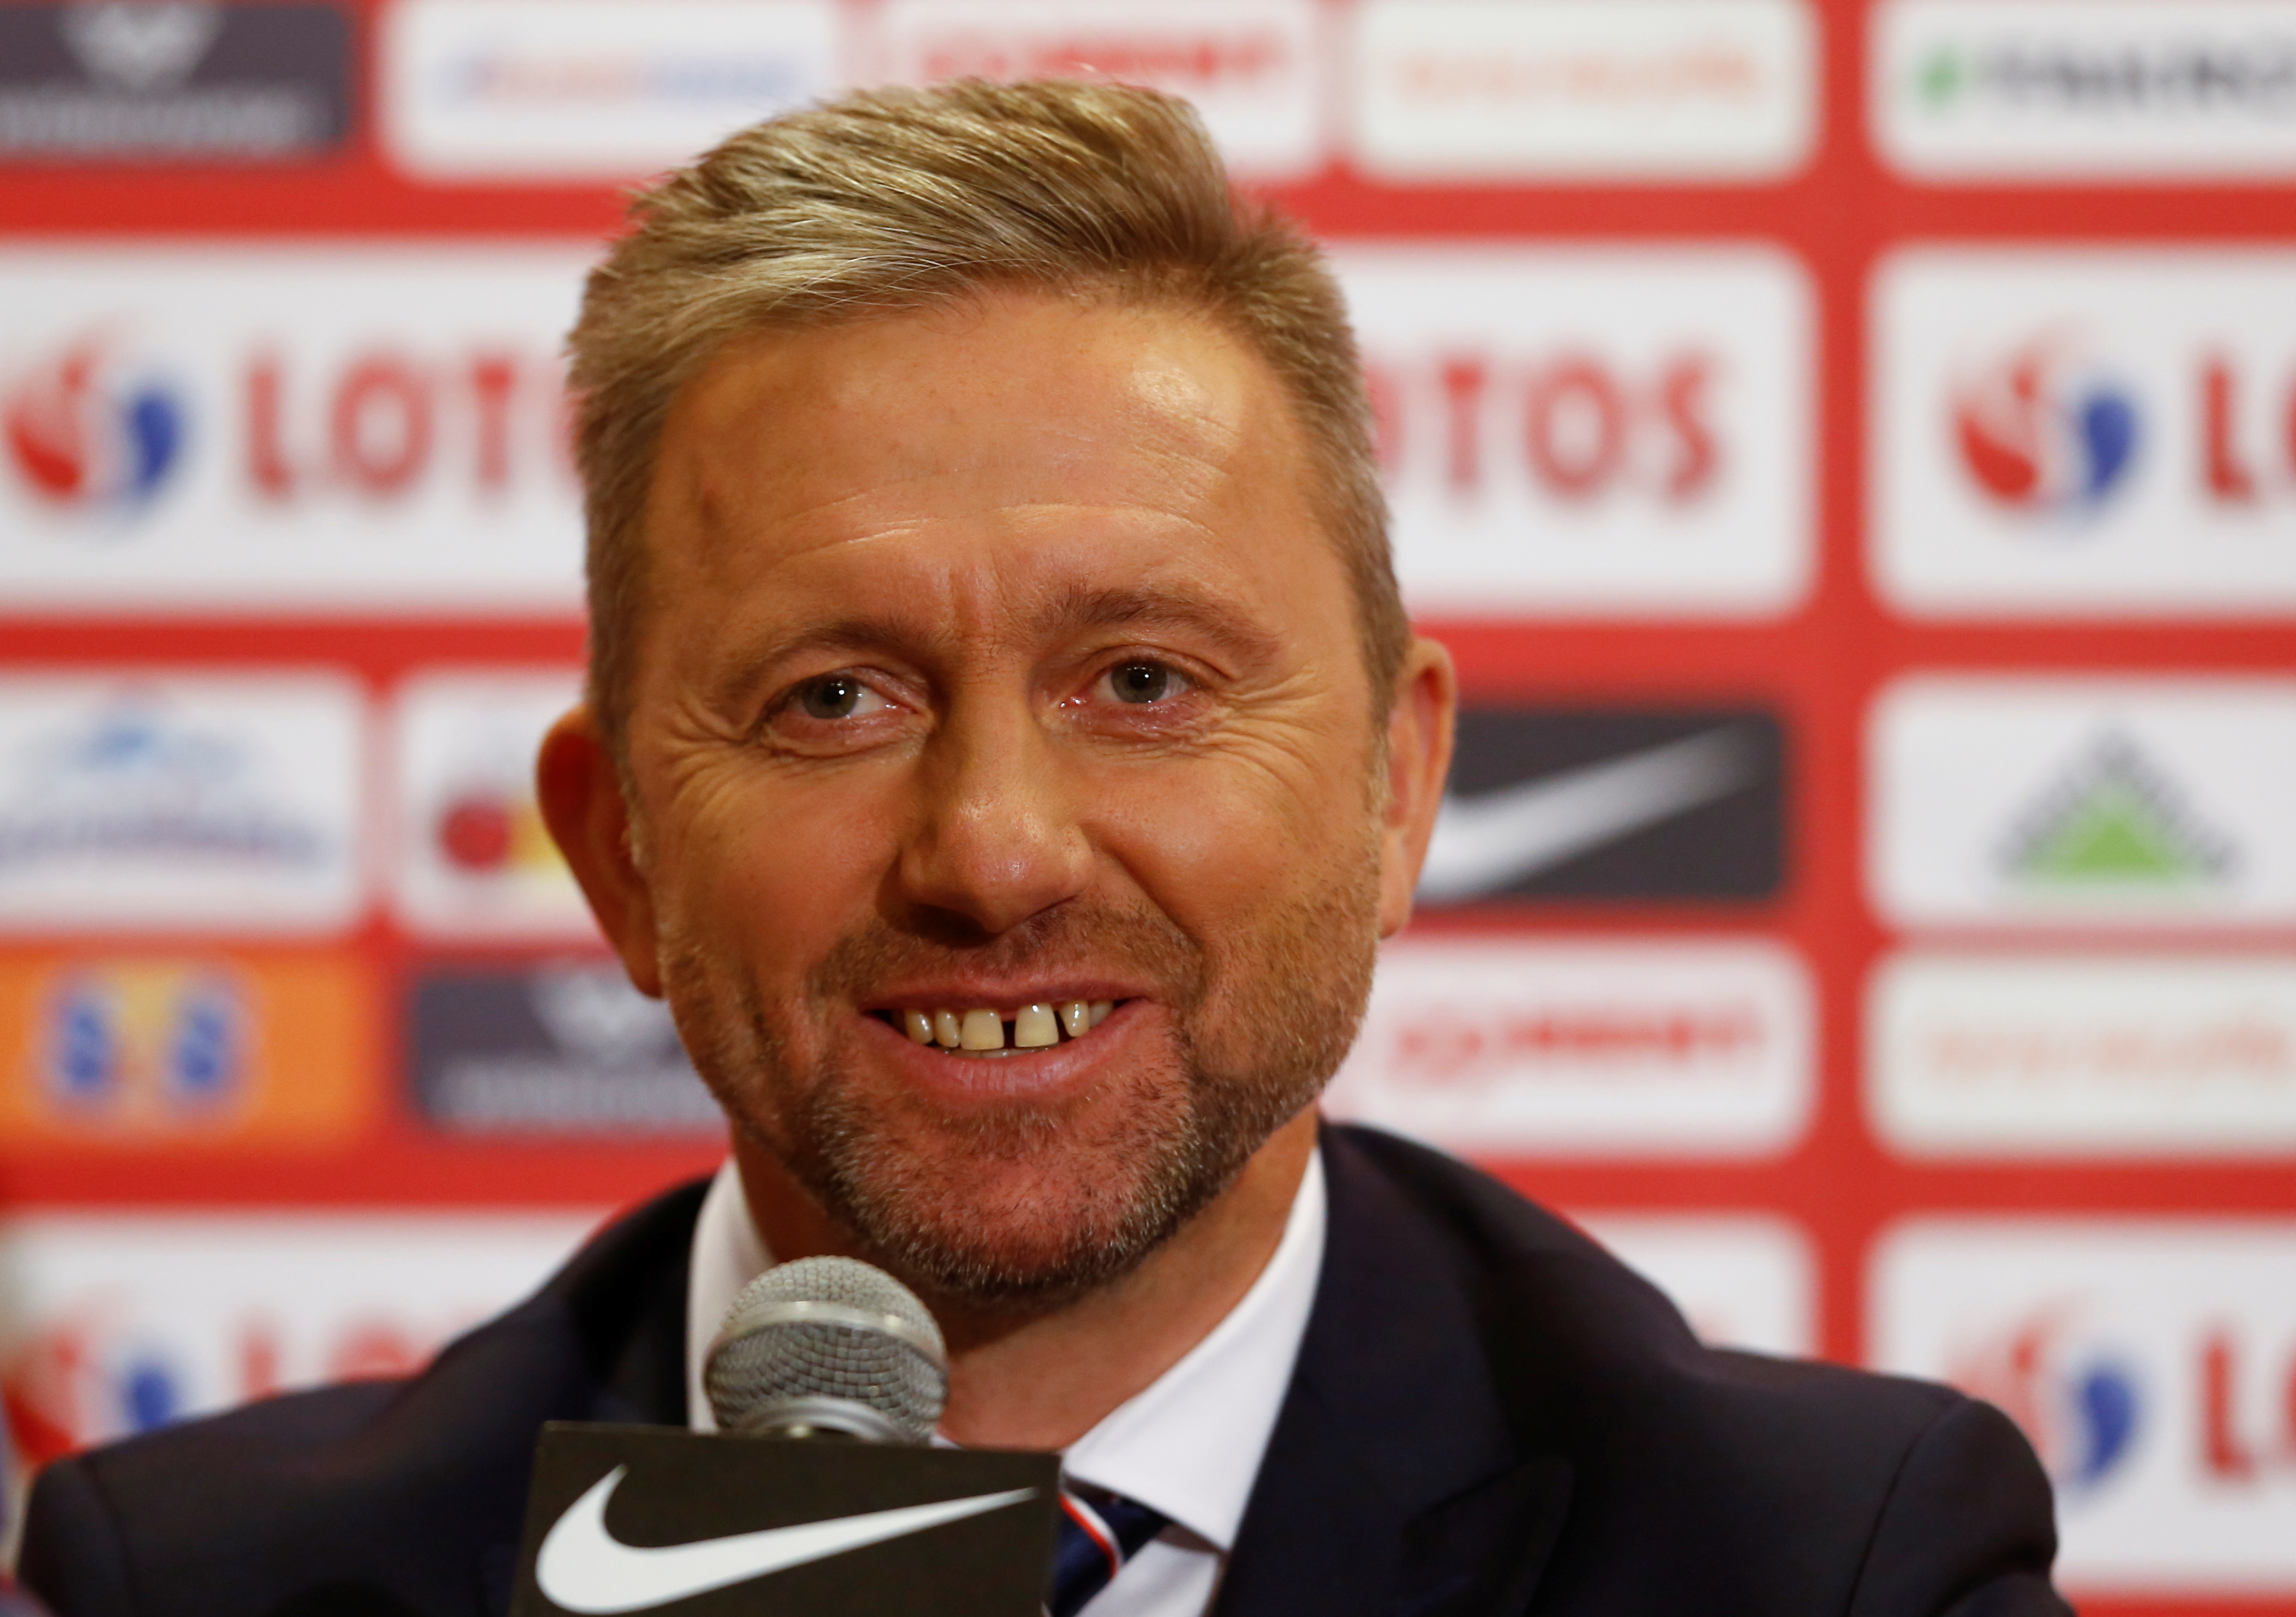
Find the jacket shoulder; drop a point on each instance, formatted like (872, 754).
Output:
(1808, 1485)
(401, 1495)
(1561, 1306)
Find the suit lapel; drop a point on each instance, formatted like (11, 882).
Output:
(1401, 1478)
(619, 1306)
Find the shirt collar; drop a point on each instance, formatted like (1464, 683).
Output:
(1189, 1443)
(728, 1254)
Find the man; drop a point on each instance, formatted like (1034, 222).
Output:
(1004, 749)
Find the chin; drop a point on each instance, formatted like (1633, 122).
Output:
(1018, 1211)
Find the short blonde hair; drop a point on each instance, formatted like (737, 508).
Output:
(896, 200)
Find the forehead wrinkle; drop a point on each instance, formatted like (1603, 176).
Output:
(1172, 485)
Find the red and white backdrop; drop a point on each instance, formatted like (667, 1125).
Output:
(1850, 448)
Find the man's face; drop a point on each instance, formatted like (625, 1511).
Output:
(994, 659)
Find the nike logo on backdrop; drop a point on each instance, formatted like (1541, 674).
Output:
(1494, 839)
(584, 1568)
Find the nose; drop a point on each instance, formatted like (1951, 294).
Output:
(997, 839)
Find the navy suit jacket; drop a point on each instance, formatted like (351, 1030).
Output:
(1489, 1415)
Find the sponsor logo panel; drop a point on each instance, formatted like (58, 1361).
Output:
(2074, 90)
(1588, 431)
(225, 801)
(2079, 802)
(1742, 1281)
(1253, 68)
(2085, 431)
(282, 428)
(1611, 803)
(2149, 1361)
(149, 82)
(561, 1048)
(473, 857)
(587, 90)
(1506, 1047)
(225, 1047)
(117, 1323)
(1723, 90)
(1984, 1054)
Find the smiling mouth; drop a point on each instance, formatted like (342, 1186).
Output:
(990, 1031)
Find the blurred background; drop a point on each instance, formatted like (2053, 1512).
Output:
(1850, 448)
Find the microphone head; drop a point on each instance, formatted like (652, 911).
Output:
(829, 1345)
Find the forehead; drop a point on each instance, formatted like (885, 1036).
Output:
(959, 457)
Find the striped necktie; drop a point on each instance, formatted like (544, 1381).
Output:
(1100, 1532)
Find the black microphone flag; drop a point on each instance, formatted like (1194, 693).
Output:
(651, 1519)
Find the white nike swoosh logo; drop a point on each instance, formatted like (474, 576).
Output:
(584, 1568)
(1493, 840)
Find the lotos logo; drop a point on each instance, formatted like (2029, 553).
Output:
(83, 432)
(86, 1380)
(2077, 1401)
(2041, 432)
(97, 1374)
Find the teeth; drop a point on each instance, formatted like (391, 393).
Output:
(982, 1032)
(1034, 1027)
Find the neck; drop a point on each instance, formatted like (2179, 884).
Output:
(1043, 1381)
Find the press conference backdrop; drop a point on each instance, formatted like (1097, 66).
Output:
(1851, 450)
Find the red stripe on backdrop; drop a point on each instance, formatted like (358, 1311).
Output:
(1819, 667)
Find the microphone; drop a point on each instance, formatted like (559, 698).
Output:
(828, 1348)
(843, 1509)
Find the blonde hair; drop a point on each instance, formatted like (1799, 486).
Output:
(896, 200)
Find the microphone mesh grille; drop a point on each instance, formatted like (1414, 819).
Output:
(758, 1358)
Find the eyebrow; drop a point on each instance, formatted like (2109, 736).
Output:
(1157, 606)
(1061, 609)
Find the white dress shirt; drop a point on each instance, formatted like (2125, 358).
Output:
(1189, 1443)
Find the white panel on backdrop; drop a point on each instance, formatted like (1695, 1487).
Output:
(472, 856)
(114, 1323)
(1592, 432)
(2149, 1361)
(592, 90)
(2039, 802)
(1509, 1046)
(1254, 69)
(2085, 431)
(1741, 1280)
(2087, 1055)
(1633, 90)
(164, 800)
(197, 428)
(2097, 90)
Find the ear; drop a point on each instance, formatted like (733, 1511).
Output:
(582, 803)
(1418, 727)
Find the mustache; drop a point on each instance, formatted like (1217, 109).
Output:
(1138, 941)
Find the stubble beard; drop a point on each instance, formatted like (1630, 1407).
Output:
(1097, 1183)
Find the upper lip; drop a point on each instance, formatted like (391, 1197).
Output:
(1002, 995)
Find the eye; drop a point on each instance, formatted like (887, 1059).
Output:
(1141, 682)
(837, 696)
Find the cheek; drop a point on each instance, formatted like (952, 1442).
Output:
(1236, 843)
(770, 874)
